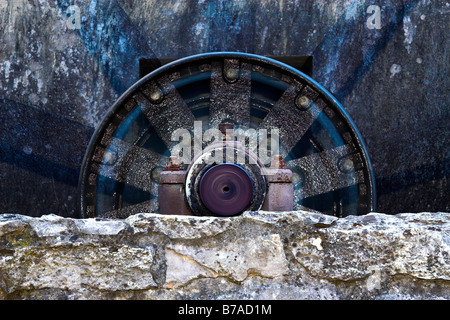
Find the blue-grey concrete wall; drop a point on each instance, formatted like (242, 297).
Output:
(63, 63)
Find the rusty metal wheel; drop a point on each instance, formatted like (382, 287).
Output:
(318, 140)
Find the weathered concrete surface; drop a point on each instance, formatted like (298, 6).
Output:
(56, 83)
(259, 255)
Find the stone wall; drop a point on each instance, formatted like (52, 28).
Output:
(259, 255)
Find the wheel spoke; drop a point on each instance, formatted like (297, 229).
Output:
(291, 121)
(130, 164)
(230, 99)
(165, 109)
(326, 171)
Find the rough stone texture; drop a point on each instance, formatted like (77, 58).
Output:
(56, 83)
(259, 255)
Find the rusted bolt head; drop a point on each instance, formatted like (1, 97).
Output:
(278, 162)
(173, 164)
(302, 102)
(231, 74)
(156, 95)
(110, 157)
(346, 165)
(223, 127)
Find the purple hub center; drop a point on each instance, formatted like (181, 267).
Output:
(226, 189)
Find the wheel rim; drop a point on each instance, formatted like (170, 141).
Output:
(318, 140)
